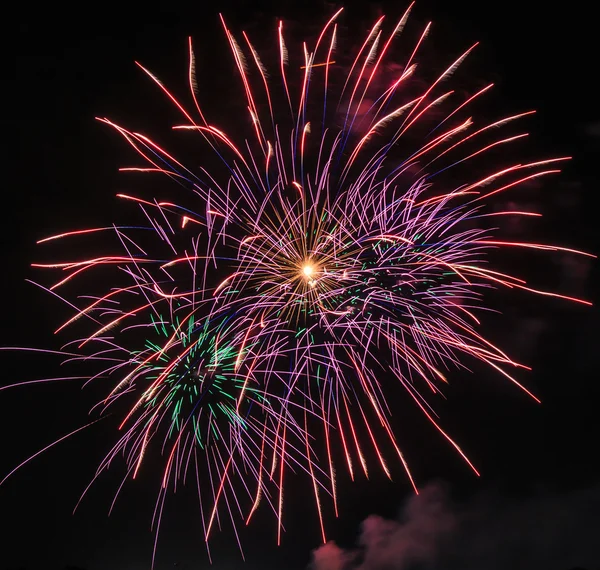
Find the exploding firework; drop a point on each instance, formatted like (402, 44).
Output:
(329, 254)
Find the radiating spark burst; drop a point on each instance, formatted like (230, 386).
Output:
(337, 255)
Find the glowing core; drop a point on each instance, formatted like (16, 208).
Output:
(308, 270)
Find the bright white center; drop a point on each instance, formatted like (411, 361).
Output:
(308, 270)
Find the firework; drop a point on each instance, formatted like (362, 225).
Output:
(341, 247)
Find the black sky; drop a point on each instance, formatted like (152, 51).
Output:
(65, 66)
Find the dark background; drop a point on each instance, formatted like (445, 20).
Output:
(65, 66)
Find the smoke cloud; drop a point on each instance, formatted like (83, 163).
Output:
(550, 531)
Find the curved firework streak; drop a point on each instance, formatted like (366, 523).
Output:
(334, 257)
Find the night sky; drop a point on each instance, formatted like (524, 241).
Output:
(536, 504)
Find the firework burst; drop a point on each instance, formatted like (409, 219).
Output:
(334, 257)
